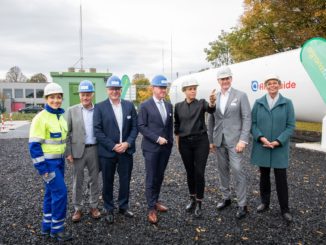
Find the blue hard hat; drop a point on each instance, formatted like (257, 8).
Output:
(114, 81)
(159, 81)
(85, 86)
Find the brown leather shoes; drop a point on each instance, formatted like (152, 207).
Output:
(152, 217)
(76, 217)
(160, 207)
(95, 213)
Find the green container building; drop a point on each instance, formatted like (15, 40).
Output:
(71, 79)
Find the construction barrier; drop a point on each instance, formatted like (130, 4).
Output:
(6, 123)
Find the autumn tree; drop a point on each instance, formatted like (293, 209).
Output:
(271, 26)
(143, 88)
(15, 75)
(38, 78)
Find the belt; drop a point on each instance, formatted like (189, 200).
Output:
(89, 145)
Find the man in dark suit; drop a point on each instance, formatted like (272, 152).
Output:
(156, 126)
(115, 128)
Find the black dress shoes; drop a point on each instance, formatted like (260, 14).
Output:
(198, 210)
(62, 236)
(109, 217)
(287, 217)
(191, 205)
(223, 204)
(242, 212)
(262, 208)
(126, 213)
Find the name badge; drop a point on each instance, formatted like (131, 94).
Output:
(55, 135)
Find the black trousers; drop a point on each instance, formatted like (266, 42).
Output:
(281, 187)
(194, 152)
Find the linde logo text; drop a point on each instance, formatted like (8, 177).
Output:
(255, 85)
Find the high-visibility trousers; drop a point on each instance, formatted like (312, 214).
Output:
(55, 200)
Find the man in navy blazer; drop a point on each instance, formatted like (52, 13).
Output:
(115, 129)
(156, 126)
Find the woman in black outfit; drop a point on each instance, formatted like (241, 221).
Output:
(192, 140)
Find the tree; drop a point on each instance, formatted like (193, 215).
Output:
(219, 52)
(271, 26)
(143, 89)
(15, 75)
(38, 78)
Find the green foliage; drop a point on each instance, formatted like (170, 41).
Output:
(219, 52)
(271, 26)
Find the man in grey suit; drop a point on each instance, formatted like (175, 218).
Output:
(228, 131)
(82, 150)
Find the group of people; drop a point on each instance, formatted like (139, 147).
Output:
(102, 139)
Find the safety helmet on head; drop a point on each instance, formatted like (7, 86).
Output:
(114, 81)
(271, 77)
(188, 83)
(52, 88)
(224, 72)
(85, 86)
(159, 81)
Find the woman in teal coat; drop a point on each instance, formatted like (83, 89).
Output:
(273, 122)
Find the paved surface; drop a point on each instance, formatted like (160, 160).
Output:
(20, 130)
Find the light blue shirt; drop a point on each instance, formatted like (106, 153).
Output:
(158, 105)
(88, 124)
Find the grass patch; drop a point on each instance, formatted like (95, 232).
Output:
(20, 116)
(309, 126)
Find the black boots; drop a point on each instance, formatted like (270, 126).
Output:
(191, 205)
(198, 210)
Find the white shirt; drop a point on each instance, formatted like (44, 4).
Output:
(117, 109)
(224, 99)
(271, 102)
(88, 124)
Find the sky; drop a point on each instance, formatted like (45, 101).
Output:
(121, 37)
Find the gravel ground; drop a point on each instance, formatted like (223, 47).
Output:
(21, 194)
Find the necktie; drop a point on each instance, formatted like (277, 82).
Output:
(162, 111)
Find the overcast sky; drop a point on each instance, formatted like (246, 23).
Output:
(122, 36)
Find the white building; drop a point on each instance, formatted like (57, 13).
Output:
(14, 96)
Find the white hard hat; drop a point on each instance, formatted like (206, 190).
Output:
(272, 77)
(224, 72)
(52, 88)
(189, 82)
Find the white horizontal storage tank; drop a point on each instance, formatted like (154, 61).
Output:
(249, 77)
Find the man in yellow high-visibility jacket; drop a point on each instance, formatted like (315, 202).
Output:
(47, 143)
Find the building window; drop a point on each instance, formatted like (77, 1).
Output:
(29, 93)
(39, 93)
(18, 93)
(7, 92)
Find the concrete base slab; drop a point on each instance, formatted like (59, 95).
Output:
(311, 146)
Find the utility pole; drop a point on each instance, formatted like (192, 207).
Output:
(171, 60)
(81, 37)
